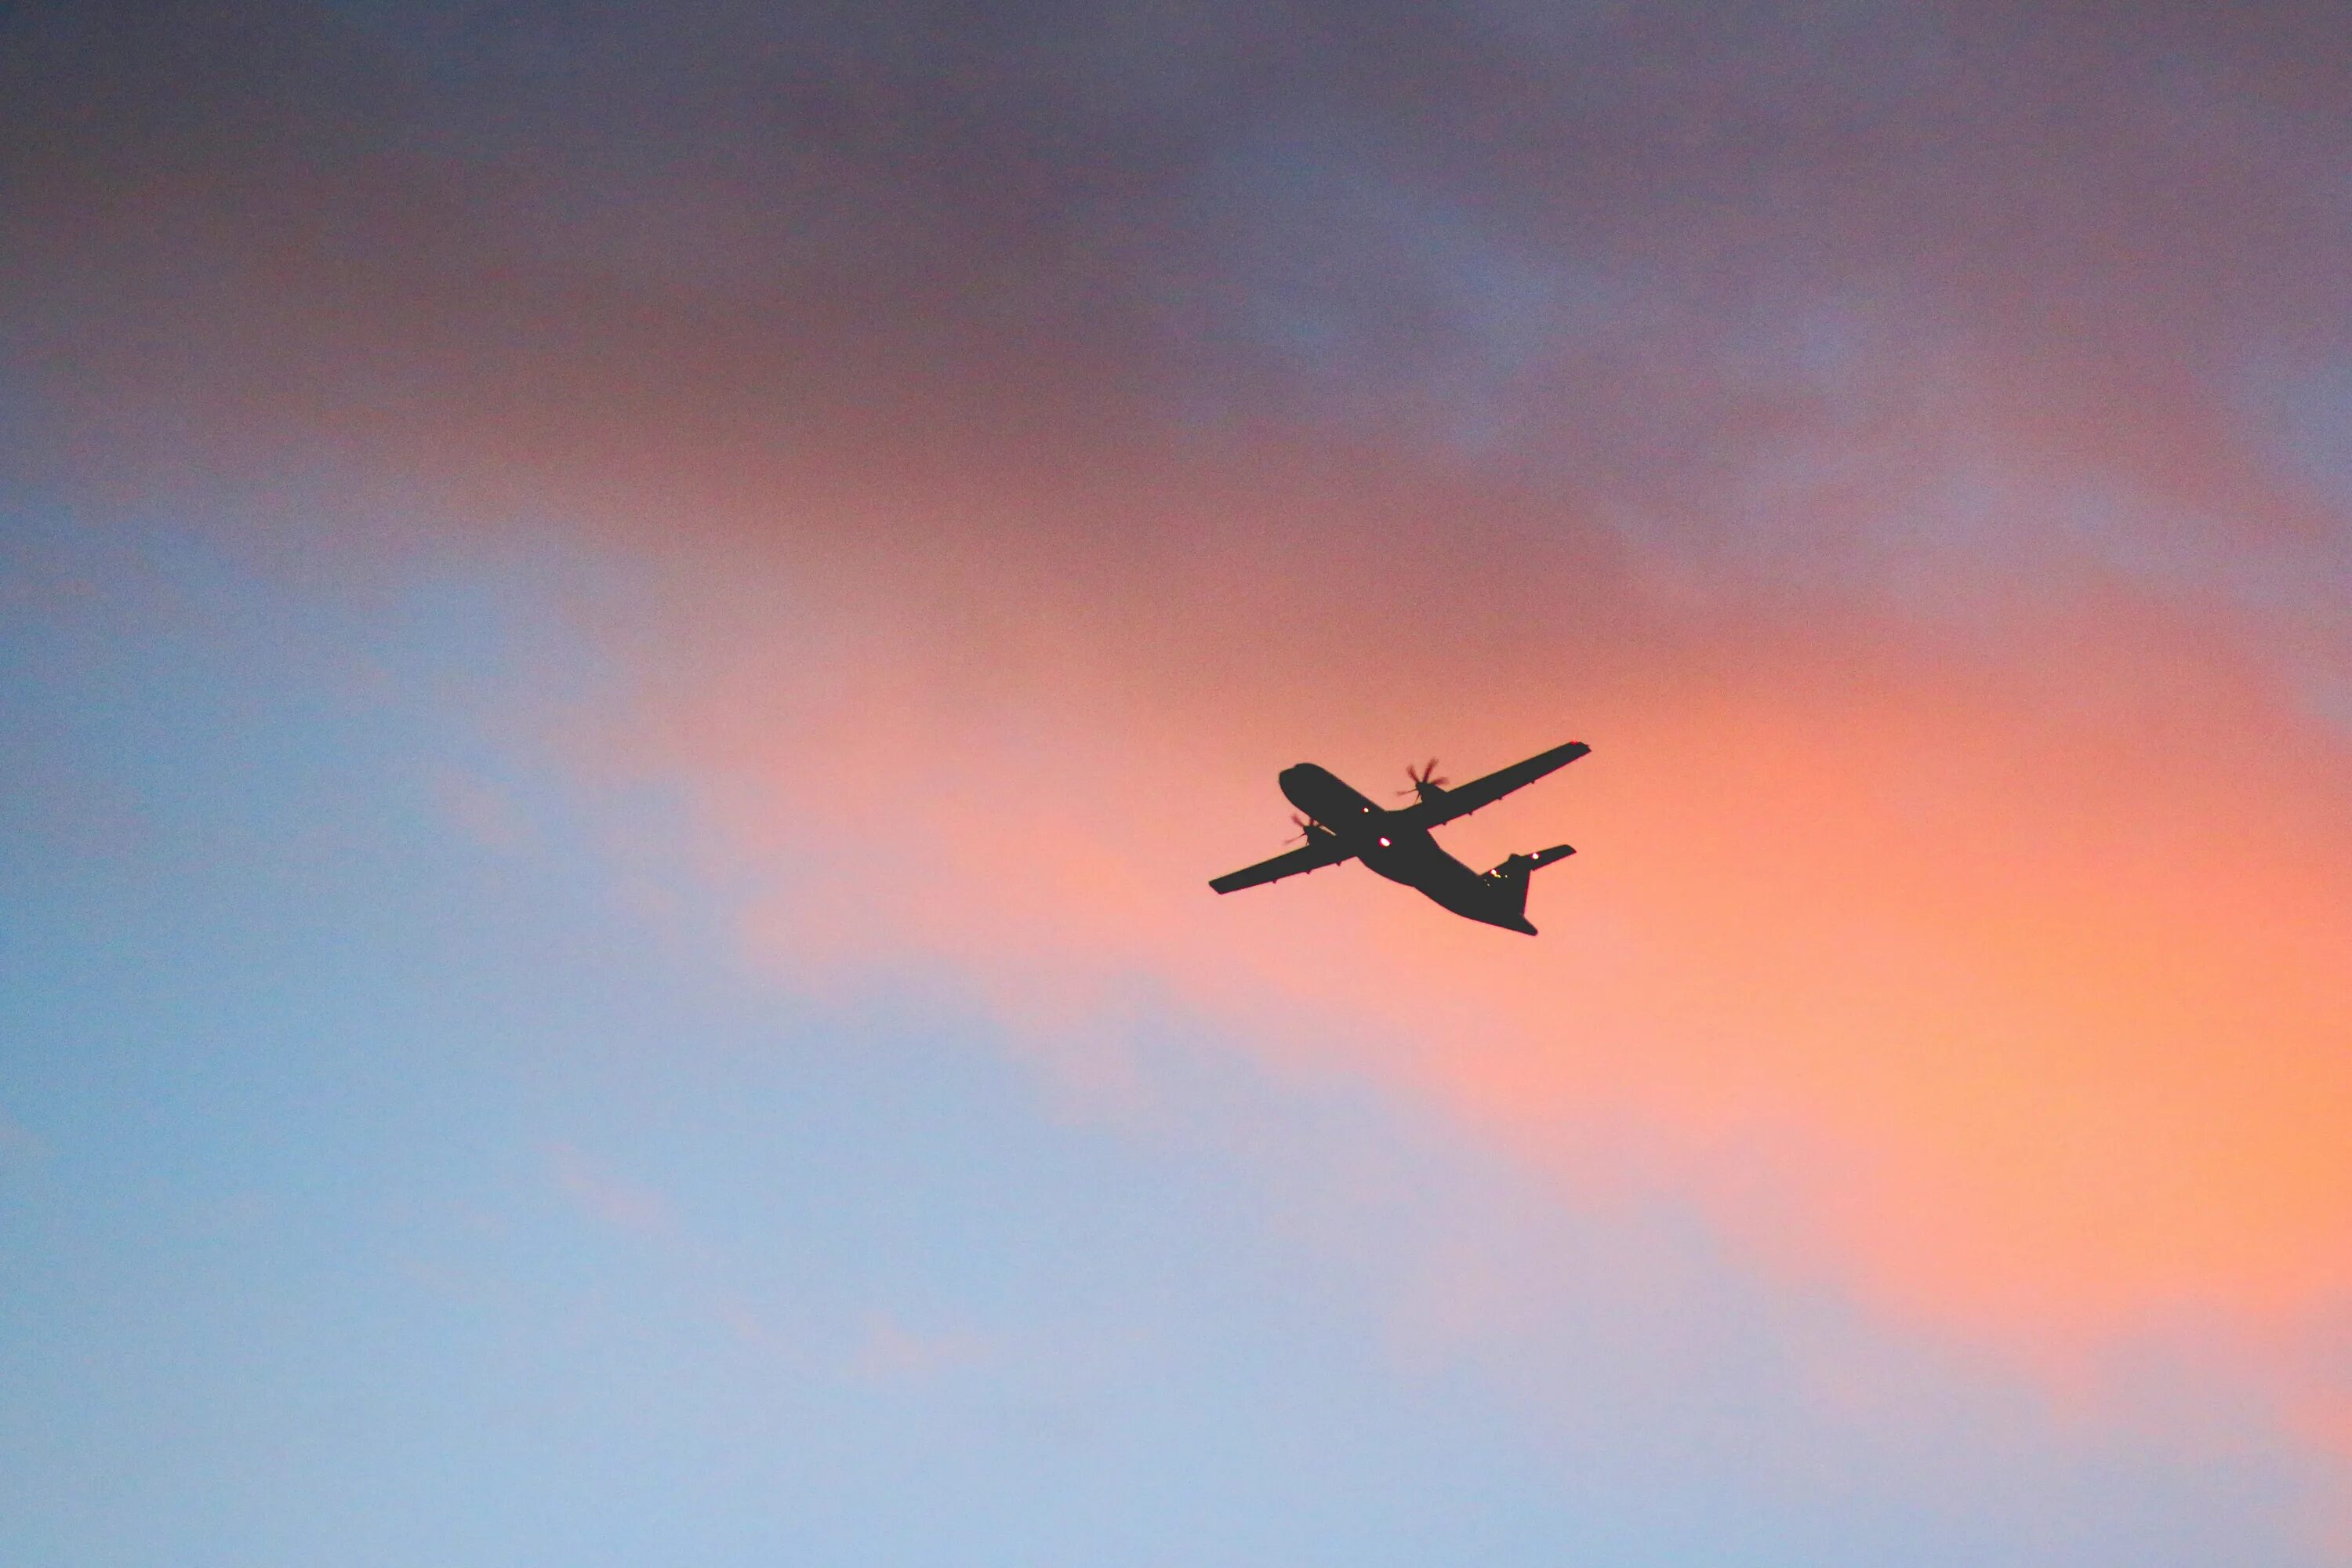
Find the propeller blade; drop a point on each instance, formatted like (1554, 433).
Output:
(1425, 779)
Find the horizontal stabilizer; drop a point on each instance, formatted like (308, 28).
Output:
(1515, 869)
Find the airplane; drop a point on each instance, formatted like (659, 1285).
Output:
(1340, 825)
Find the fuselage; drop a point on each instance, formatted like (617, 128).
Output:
(1395, 849)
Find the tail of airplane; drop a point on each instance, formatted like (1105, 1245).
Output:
(1509, 880)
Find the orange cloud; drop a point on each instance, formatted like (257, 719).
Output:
(2010, 991)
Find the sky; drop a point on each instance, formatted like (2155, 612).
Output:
(628, 636)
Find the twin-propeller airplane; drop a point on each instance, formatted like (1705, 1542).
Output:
(1342, 825)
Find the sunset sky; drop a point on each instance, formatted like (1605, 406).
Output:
(628, 635)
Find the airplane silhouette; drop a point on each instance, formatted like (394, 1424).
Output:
(1342, 825)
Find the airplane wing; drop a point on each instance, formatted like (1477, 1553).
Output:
(1313, 858)
(1486, 791)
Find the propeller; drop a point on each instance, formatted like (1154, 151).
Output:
(1306, 830)
(1425, 781)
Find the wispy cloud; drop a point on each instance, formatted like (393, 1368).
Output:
(608, 1198)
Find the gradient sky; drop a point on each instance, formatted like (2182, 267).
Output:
(628, 637)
